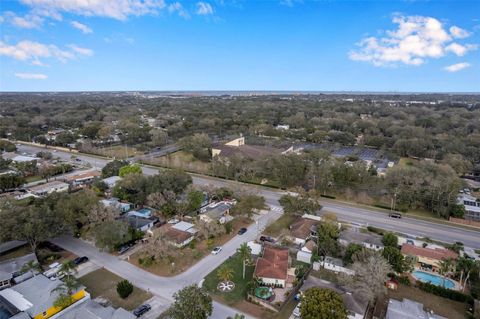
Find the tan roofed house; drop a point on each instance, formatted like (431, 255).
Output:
(272, 267)
(427, 257)
(301, 230)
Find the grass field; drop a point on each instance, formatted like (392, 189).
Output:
(280, 225)
(181, 160)
(102, 283)
(118, 151)
(240, 291)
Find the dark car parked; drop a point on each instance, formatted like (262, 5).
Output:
(395, 215)
(80, 260)
(267, 238)
(142, 309)
(242, 231)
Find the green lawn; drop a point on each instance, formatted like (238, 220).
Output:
(240, 291)
(103, 283)
(281, 224)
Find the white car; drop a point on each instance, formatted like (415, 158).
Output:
(216, 250)
(296, 311)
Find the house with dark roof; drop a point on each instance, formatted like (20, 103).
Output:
(272, 267)
(302, 229)
(367, 240)
(180, 234)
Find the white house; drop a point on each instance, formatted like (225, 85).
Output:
(48, 188)
(272, 267)
(112, 181)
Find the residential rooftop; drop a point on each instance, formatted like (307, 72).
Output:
(437, 253)
(408, 309)
(273, 263)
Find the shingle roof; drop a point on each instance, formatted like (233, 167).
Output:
(92, 310)
(301, 228)
(273, 263)
(437, 253)
(175, 235)
(248, 151)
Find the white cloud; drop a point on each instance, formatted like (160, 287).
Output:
(457, 67)
(459, 33)
(415, 40)
(116, 9)
(177, 7)
(204, 8)
(29, 21)
(80, 50)
(33, 52)
(31, 76)
(82, 27)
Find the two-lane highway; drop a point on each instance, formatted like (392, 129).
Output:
(347, 213)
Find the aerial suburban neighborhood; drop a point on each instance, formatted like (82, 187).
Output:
(280, 159)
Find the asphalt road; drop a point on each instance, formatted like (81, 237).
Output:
(347, 213)
(164, 287)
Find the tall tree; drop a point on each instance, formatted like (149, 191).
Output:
(225, 273)
(328, 234)
(370, 276)
(245, 254)
(191, 302)
(320, 303)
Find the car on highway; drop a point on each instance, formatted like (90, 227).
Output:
(142, 309)
(242, 231)
(395, 215)
(216, 250)
(80, 260)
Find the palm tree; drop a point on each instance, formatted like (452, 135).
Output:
(466, 267)
(245, 254)
(225, 273)
(68, 268)
(68, 286)
(32, 266)
(445, 266)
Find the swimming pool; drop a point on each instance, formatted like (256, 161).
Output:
(433, 279)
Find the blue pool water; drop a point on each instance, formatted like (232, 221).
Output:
(433, 279)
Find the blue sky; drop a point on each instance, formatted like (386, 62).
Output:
(53, 45)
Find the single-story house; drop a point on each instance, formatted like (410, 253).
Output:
(408, 309)
(472, 206)
(34, 298)
(83, 178)
(216, 212)
(355, 305)
(272, 267)
(48, 188)
(93, 310)
(185, 226)
(141, 223)
(9, 269)
(428, 258)
(113, 202)
(176, 236)
(302, 229)
(112, 181)
(367, 240)
(24, 159)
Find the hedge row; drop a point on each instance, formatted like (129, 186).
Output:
(444, 292)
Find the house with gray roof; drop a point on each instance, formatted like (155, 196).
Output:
(12, 268)
(216, 212)
(367, 240)
(93, 310)
(408, 309)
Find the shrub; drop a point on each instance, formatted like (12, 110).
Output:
(228, 228)
(404, 280)
(124, 289)
(146, 262)
(375, 230)
(444, 292)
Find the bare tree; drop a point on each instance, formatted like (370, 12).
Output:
(370, 276)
